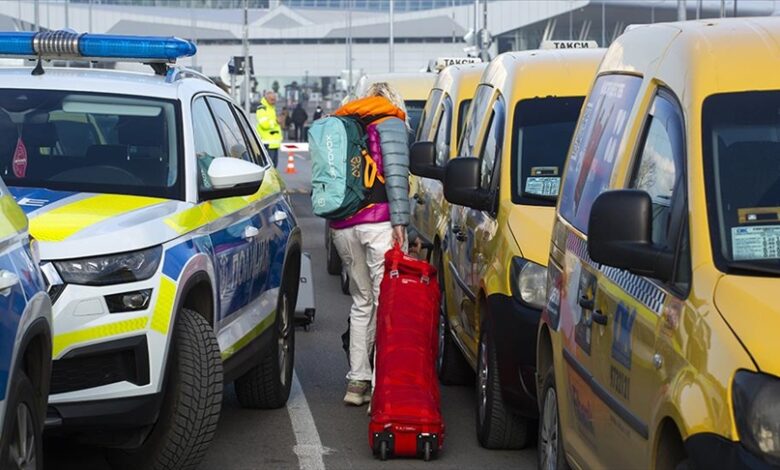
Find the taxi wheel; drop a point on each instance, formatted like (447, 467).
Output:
(550, 452)
(23, 424)
(450, 363)
(333, 259)
(192, 402)
(497, 426)
(267, 385)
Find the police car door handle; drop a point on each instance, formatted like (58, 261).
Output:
(586, 303)
(599, 317)
(7, 280)
(250, 232)
(278, 216)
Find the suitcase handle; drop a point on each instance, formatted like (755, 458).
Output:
(401, 263)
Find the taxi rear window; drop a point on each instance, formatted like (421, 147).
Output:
(543, 128)
(90, 142)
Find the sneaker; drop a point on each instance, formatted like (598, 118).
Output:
(356, 392)
(367, 394)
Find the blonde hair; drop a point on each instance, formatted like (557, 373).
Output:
(385, 90)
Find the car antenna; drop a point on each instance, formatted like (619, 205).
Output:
(38, 70)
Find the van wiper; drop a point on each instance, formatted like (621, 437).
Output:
(755, 267)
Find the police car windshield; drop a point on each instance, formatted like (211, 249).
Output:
(542, 130)
(741, 144)
(89, 142)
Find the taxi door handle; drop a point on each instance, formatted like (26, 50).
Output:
(586, 303)
(7, 280)
(250, 232)
(599, 317)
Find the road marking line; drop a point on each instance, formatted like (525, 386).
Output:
(308, 446)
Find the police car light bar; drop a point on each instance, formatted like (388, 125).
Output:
(71, 45)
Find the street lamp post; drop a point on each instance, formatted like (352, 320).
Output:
(246, 55)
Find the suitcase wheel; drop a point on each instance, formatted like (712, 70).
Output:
(383, 451)
(383, 444)
(427, 446)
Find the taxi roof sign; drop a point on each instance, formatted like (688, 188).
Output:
(438, 64)
(568, 44)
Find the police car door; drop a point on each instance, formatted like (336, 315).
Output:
(632, 372)
(240, 255)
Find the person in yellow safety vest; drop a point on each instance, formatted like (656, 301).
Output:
(268, 125)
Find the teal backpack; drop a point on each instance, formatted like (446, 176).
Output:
(343, 173)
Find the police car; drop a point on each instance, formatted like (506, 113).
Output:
(170, 251)
(25, 342)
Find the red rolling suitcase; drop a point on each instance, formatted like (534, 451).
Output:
(405, 407)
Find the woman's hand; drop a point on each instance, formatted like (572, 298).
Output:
(399, 235)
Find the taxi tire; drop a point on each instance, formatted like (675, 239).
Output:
(549, 383)
(261, 387)
(451, 365)
(192, 403)
(332, 255)
(501, 428)
(21, 391)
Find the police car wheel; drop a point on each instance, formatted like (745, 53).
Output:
(550, 452)
(450, 363)
(267, 385)
(192, 402)
(23, 427)
(333, 259)
(497, 426)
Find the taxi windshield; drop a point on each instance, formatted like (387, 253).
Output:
(542, 131)
(741, 145)
(88, 142)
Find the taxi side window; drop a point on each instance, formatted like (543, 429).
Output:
(474, 120)
(442, 140)
(208, 144)
(658, 171)
(491, 149)
(232, 137)
(428, 114)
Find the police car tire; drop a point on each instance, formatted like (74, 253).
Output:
(261, 387)
(192, 402)
(22, 391)
(501, 428)
(333, 259)
(549, 382)
(452, 366)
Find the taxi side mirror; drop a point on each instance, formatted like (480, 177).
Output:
(463, 184)
(422, 161)
(620, 231)
(232, 177)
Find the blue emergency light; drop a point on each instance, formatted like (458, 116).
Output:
(71, 45)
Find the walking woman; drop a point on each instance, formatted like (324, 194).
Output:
(363, 238)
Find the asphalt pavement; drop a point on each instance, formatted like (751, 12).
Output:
(316, 431)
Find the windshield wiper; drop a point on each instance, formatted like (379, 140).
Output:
(759, 268)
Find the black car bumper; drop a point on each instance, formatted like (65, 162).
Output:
(513, 325)
(712, 451)
(117, 413)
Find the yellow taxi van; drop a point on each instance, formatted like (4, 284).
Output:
(503, 186)
(440, 128)
(658, 343)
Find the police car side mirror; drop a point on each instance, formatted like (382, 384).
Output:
(463, 184)
(620, 235)
(232, 177)
(422, 161)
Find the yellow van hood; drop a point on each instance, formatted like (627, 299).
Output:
(749, 305)
(531, 227)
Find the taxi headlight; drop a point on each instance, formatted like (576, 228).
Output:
(757, 412)
(111, 269)
(529, 282)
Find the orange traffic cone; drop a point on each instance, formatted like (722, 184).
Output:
(291, 164)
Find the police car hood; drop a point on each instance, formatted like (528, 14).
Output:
(76, 225)
(749, 305)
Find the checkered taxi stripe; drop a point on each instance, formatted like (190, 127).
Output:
(637, 287)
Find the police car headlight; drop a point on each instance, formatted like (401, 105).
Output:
(111, 269)
(529, 282)
(757, 412)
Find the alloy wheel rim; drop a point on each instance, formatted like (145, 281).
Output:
(442, 332)
(548, 436)
(482, 380)
(284, 340)
(22, 449)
